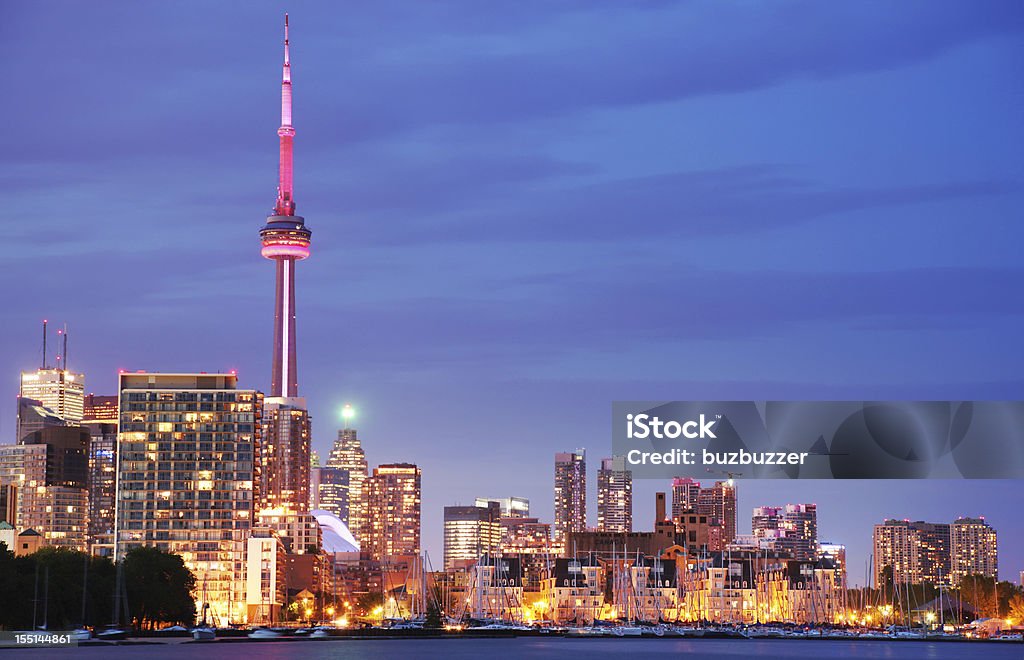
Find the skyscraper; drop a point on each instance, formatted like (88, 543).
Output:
(570, 493)
(914, 552)
(393, 500)
(45, 481)
(801, 524)
(328, 490)
(470, 532)
(347, 454)
(284, 457)
(685, 492)
(973, 549)
(100, 418)
(186, 446)
(614, 496)
(718, 503)
(59, 390)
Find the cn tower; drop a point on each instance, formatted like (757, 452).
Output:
(285, 240)
(282, 457)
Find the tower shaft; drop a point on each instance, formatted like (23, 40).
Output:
(284, 372)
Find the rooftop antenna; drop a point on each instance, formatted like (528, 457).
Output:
(65, 347)
(59, 333)
(44, 344)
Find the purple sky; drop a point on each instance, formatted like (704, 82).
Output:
(524, 211)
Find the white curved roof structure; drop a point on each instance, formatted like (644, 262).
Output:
(336, 537)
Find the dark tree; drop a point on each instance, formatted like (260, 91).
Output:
(159, 587)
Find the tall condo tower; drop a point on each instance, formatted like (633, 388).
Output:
(283, 461)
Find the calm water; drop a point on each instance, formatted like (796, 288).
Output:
(562, 649)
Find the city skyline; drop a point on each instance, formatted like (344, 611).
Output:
(414, 334)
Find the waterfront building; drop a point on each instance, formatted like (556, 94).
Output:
(912, 552)
(186, 446)
(265, 577)
(575, 591)
(495, 589)
(973, 549)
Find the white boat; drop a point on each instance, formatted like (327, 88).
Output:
(264, 633)
(203, 633)
(81, 635)
(627, 631)
(112, 634)
(321, 633)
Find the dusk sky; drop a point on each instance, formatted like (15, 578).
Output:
(524, 211)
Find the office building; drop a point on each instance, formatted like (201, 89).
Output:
(614, 496)
(510, 507)
(469, 533)
(186, 445)
(570, 494)
(60, 391)
(44, 479)
(348, 455)
(393, 511)
(328, 490)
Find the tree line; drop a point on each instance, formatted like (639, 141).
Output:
(63, 589)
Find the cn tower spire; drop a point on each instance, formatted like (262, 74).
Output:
(285, 201)
(285, 239)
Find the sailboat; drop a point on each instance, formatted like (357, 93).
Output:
(83, 634)
(114, 632)
(204, 632)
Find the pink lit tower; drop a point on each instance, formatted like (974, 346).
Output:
(283, 461)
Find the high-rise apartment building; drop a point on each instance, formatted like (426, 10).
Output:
(685, 493)
(348, 455)
(328, 490)
(186, 445)
(470, 532)
(765, 521)
(801, 524)
(614, 496)
(973, 549)
(570, 493)
(510, 507)
(930, 552)
(718, 503)
(393, 499)
(914, 552)
(283, 456)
